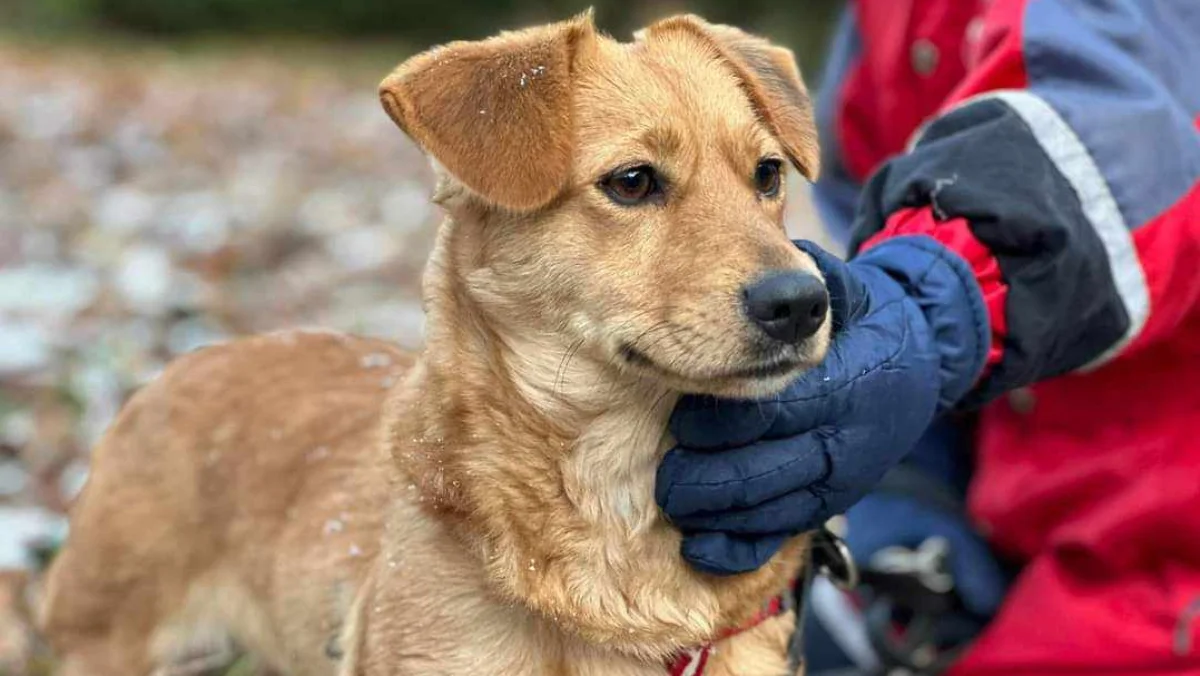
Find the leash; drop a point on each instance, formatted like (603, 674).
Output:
(828, 557)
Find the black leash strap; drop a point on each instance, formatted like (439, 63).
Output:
(829, 557)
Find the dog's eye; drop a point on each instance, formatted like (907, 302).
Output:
(767, 177)
(632, 186)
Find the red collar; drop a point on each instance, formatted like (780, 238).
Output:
(691, 662)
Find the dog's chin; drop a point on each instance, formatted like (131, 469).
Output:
(752, 380)
(752, 388)
(757, 387)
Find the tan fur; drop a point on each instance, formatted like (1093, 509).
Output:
(16, 634)
(487, 508)
(771, 79)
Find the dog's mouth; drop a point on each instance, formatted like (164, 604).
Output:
(773, 367)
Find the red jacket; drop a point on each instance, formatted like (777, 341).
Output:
(1055, 145)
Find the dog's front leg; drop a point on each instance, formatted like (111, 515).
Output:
(422, 621)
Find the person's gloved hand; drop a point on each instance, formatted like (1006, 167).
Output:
(911, 336)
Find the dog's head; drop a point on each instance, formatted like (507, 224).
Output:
(628, 197)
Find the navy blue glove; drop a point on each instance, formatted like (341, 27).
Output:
(910, 337)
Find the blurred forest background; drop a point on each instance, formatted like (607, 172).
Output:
(411, 24)
(178, 172)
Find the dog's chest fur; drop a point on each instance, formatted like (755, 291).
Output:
(531, 515)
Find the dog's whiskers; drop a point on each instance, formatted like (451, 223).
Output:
(561, 374)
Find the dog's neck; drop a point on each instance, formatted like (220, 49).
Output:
(535, 399)
(542, 460)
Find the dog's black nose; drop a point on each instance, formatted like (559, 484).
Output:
(788, 305)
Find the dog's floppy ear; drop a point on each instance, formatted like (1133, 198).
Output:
(495, 113)
(771, 80)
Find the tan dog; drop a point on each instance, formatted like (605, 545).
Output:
(614, 237)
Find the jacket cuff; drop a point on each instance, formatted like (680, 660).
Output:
(951, 297)
(955, 234)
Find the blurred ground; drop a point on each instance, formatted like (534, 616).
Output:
(154, 201)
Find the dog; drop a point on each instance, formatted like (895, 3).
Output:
(333, 505)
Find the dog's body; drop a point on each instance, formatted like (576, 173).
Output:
(339, 507)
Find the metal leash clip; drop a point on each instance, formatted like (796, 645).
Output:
(832, 560)
(913, 616)
(928, 564)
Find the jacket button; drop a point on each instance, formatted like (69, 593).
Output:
(975, 30)
(1022, 400)
(924, 57)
